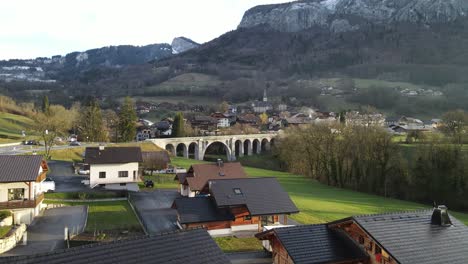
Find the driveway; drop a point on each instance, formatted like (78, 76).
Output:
(155, 210)
(65, 178)
(46, 233)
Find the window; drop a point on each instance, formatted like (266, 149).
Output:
(15, 194)
(247, 218)
(267, 220)
(123, 184)
(123, 174)
(134, 175)
(237, 191)
(102, 175)
(361, 240)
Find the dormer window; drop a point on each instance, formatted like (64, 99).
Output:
(237, 191)
(221, 174)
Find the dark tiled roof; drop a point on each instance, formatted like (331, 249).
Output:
(112, 155)
(203, 172)
(200, 210)
(262, 196)
(410, 238)
(316, 244)
(195, 246)
(180, 177)
(19, 168)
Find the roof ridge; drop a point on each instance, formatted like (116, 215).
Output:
(392, 213)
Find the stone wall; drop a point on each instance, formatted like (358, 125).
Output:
(10, 242)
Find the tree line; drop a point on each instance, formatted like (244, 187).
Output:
(88, 121)
(367, 159)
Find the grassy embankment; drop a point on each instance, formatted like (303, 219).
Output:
(11, 126)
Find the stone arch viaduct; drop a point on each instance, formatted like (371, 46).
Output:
(235, 145)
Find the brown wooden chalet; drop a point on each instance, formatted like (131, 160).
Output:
(232, 205)
(21, 180)
(192, 182)
(419, 237)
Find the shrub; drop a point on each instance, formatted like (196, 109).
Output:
(4, 214)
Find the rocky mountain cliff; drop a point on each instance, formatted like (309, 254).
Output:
(183, 44)
(349, 15)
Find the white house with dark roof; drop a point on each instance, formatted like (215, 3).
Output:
(114, 168)
(21, 191)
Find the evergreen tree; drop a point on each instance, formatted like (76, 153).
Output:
(45, 105)
(91, 125)
(127, 121)
(178, 126)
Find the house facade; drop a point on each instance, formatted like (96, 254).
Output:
(114, 168)
(194, 180)
(232, 205)
(223, 120)
(21, 191)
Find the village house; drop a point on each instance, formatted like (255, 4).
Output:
(223, 120)
(418, 237)
(311, 244)
(180, 247)
(21, 191)
(163, 128)
(193, 181)
(232, 205)
(206, 123)
(362, 119)
(114, 168)
(248, 119)
(261, 107)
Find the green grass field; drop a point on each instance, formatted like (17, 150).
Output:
(161, 181)
(109, 216)
(320, 203)
(11, 126)
(232, 244)
(4, 230)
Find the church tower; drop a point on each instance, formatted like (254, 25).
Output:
(265, 98)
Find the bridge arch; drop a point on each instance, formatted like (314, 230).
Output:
(226, 148)
(182, 150)
(265, 145)
(238, 150)
(256, 146)
(171, 149)
(193, 150)
(247, 147)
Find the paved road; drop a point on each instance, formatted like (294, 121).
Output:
(250, 258)
(46, 233)
(22, 149)
(65, 179)
(155, 210)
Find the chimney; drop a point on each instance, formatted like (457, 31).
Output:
(219, 162)
(440, 216)
(101, 147)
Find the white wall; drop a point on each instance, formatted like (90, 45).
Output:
(112, 173)
(5, 186)
(129, 186)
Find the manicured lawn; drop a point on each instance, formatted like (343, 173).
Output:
(4, 230)
(320, 203)
(161, 181)
(232, 244)
(107, 216)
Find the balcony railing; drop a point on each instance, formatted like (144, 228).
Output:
(22, 204)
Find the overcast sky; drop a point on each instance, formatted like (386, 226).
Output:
(42, 28)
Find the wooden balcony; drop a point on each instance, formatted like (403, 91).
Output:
(22, 204)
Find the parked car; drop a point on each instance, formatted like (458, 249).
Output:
(83, 172)
(48, 185)
(75, 143)
(149, 184)
(30, 142)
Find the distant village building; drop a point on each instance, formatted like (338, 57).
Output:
(262, 106)
(282, 107)
(248, 119)
(360, 119)
(223, 119)
(207, 123)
